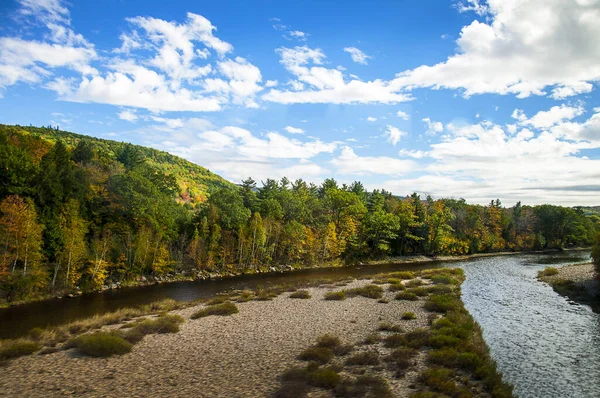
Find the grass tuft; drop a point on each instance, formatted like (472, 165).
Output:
(300, 294)
(17, 348)
(408, 296)
(339, 295)
(102, 344)
(223, 309)
(549, 271)
(369, 291)
(363, 359)
(388, 327)
(408, 316)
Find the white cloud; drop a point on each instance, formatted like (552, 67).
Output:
(415, 154)
(371, 119)
(294, 130)
(298, 34)
(476, 6)
(127, 115)
(47, 11)
(327, 85)
(402, 115)
(526, 48)
(271, 83)
(357, 56)
(393, 134)
(551, 117)
(433, 127)
(350, 163)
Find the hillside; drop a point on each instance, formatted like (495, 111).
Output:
(195, 182)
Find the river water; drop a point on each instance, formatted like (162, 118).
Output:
(545, 345)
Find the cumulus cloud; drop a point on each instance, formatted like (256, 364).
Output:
(350, 163)
(294, 130)
(127, 115)
(402, 115)
(357, 56)
(549, 118)
(326, 85)
(393, 134)
(433, 127)
(371, 119)
(524, 48)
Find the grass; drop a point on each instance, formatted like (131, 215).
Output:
(373, 338)
(227, 308)
(363, 358)
(383, 300)
(162, 324)
(369, 291)
(363, 386)
(414, 283)
(300, 294)
(401, 359)
(396, 287)
(419, 291)
(394, 341)
(417, 338)
(17, 348)
(406, 296)
(388, 327)
(338, 295)
(549, 271)
(102, 344)
(317, 354)
(408, 316)
(443, 303)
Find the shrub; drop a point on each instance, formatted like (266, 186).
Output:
(17, 348)
(414, 283)
(403, 275)
(394, 340)
(388, 327)
(442, 303)
(363, 358)
(549, 271)
(443, 279)
(300, 294)
(339, 295)
(223, 309)
(328, 341)
(217, 300)
(396, 287)
(440, 380)
(244, 296)
(373, 338)
(317, 354)
(326, 378)
(417, 338)
(407, 316)
(363, 386)
(439, 289)
(383, 300)
(369, 291)
(401, 359)
(163, 324)
(102, 344)
(419, 291)
(406, 296)
(291, 389)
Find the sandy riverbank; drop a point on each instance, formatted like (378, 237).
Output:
(579, 282)
(240, 355)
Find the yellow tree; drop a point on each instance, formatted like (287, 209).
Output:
(20, 234)
(74, 250)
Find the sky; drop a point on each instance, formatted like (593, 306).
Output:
(468, 99)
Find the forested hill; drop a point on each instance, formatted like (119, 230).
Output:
(78, 213)
(195, 183)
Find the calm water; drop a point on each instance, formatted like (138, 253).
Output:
(545, 345)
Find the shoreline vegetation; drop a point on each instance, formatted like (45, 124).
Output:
(182, 277)
(283, 341)
(81, 214)
(577, 282)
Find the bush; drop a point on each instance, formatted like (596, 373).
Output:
(396, 287)
(363, 358)
(596, 253)
(401, 358)
(419, 291)
(162, 324)
(102, 344)
(439, 289)
(373, 338)
(403, 275)
(442, 303)
(328, 341)
(388, 327)
(407, 316)
(317, 354)
(300, 294)
(414, 283)
(417, 338)
(549, 271)
(406, 296)
(217, 300)
(363, 386)
(223, 309)
(339, 295)
(394, 341)
(383, 300)
(443, 279)
(17, 348)
(369, 291)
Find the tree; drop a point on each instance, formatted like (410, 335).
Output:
(74, 253)
(596, 253)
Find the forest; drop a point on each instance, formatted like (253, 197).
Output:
(78, 213)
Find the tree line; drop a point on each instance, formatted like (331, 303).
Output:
(81, 216)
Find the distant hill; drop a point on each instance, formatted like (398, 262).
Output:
(195, 182)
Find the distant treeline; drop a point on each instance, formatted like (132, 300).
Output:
(85, 212)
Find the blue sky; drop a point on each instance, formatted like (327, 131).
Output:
(474, 99)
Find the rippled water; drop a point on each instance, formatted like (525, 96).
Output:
(545, 345)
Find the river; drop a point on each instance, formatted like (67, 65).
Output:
(545, 345)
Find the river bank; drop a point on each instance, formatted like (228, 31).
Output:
(578, 282)
(244, 354)
(185, 276)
